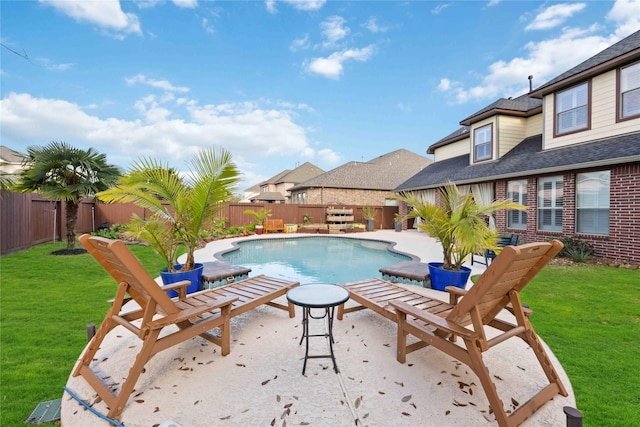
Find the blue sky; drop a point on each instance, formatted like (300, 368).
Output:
(275, 82)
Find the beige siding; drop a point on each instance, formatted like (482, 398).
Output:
(452, 150)
(533, 126)
(511, 132)
(603, 115)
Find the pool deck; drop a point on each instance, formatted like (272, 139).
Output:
(260, 383)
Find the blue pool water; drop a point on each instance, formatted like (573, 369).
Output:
(315, 259)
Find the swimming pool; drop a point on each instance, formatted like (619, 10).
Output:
(315, 259)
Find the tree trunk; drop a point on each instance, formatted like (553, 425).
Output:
(72, 218)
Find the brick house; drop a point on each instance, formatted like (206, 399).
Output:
(276, 188)
(568, 150)
(361, 183)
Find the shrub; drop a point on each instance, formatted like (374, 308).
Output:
(576, 249)
(113, 232)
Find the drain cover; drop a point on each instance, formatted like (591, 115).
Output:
(45, 412)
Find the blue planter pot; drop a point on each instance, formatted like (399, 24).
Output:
(441, 278)
(194, 276)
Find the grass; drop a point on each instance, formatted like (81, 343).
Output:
(46, 303)
(588, 315)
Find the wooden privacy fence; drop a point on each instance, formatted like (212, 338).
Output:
(30, 219)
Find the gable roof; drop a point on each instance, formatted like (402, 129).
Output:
(626, 50)
(270, 196)
(7, 155)
(302, 173)
(528, 158)
(522, 106)
(384, 172)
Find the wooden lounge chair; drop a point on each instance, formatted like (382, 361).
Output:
(156, 314)
(499, 286)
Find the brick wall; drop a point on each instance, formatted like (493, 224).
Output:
(623, 240)
(340, 196)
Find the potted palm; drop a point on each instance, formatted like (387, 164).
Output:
(180, 204)
(368, 215)
(397, 222)
(259, 215)
(458, 222)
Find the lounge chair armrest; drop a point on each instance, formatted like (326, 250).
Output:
(455, 293)
(190, 313)
(432, 319)
(176, 285)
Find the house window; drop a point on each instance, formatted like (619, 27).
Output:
(550, 203)
(517, 192)
(592, 202)
(482, 143)
(572, 109)
(629, 84)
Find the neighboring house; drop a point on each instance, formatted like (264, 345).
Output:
(569, 151)
(250, 192)
(276, 189)
(361, 183)
(10, 161)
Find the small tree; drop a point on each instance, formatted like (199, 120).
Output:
(64, 173)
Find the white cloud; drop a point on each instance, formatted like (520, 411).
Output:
(207, 26)
(493, 3)
(329, 156)
(186, 4)
(159, 84)
(306, 5)
(332, 67)
(334, 30)
(251, 132)
(439, 8)
(404, 107)
(372, 25)
(147, 4)
(107, 14)
(545, 59)
(300, 44)
(555, 15)
(626, 14)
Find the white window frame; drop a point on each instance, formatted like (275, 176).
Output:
(483, 143)
(517, 192)
(550, 193)
(629, 92)
(593, 194)
(572, 109)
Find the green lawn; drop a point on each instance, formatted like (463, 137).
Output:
(589, 316)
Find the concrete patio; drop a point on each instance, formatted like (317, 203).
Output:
(260, 382)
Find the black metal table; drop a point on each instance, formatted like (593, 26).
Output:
(323, 296)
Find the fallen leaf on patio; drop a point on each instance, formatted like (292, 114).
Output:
(196, 402)
(357, 403)
(381, 392)
(273, 422)
(497, 377)
(386, 345)
(447, 412)
(515, 402)
(277, 398)
(400, 384)
(139, 401)
(365, 416)
(406, 398)
(288, 405)
(520, 367)
(156, 409)
(406, 414)
(242, 365)
(265, 382)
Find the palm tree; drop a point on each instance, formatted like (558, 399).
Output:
(180, 204)
(458, 222)
(65, 173)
